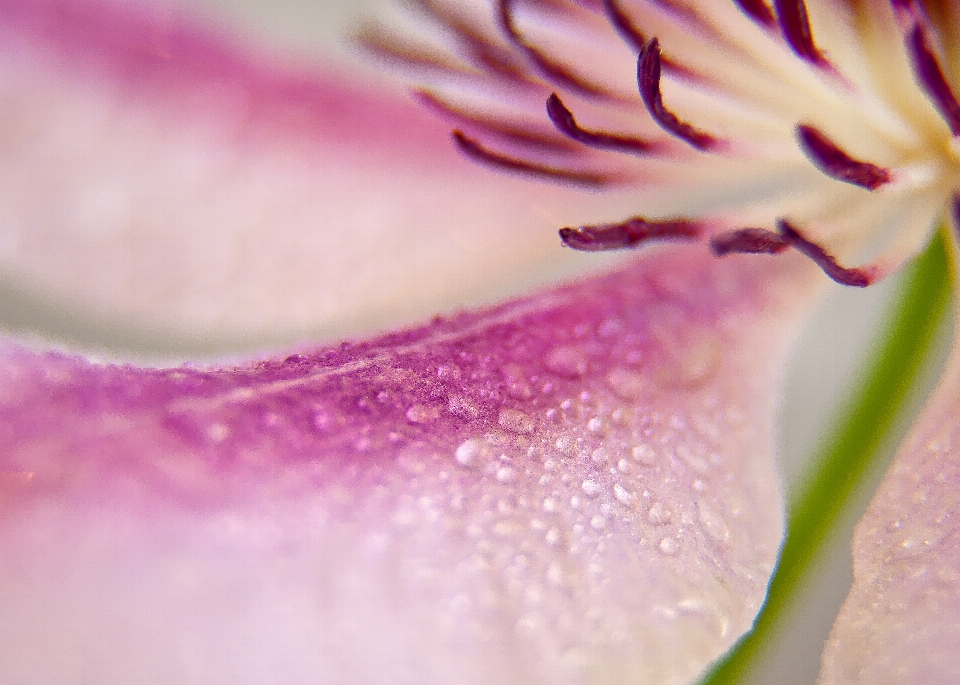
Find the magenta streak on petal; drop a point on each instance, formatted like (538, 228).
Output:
(795, 26)
(858, 278)
(629, 233)
(932, 80)
(835, 163)
(748, 241)
(648, 81)
(478, 152)
(565, 122)
(759, 11)
(344, 513)
(553, 71)
(142, 55)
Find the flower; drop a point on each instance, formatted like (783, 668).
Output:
(575, 486)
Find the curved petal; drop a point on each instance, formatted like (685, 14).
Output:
(187, 190)
(899, 622)
(575, 487)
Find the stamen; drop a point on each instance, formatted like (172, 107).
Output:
(836, 163)
(932, 80)
(513, 132)
(604, 237)
(858, 278)
(624, 25)
(956, 213)
(648, 80)
(553, 71)
(565, 122)
(484, 52)
(748, 241)
(477, 152)
(795, 26)
(758, 11)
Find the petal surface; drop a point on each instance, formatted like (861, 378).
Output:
(578, 487)
(168, 187)
(899, 622)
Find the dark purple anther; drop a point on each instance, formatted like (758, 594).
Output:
(795, 26)
(748, 241)
(565, 122)
(759, 11)
(857, 278)
(836, 163)
(955, 214)
(648, 81)
(604, 237)
(477, 152)
(931, 78)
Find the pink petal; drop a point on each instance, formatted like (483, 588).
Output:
(901, 621)
(575, 487)
(178, 185)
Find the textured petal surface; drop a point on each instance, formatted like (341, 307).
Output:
(167, 188)
(578, 487)
(899, 622)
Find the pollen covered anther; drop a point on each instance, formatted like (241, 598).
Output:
(758, 11)
(604, 237)
(648, 81)
(930, 75)
(565, 122)
(837, 164)
(795, 26)
(748, 241)
(857, 278)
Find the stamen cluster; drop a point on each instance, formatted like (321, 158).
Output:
(789, 130)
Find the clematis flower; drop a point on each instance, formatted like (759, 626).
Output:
(575, 486)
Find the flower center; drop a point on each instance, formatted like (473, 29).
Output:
(735, 101)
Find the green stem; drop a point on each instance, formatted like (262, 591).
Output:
(856, 444)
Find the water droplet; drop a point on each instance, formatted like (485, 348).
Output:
(462, 406)
(659, 515)
(565, 361)
(598, 522)
(624, 466)
(471, 452)
(699, 485)
(218, 432)
(609, 328)
(595, 425)
(669, 546)
(645, 455)
(697, 360)
(421, 414)
(505, 474)
(591, 488)
(553, 536)
(713, 523)
(515, 421)
(600, 455)
(516, 382)
(622, 494)
(625, 383)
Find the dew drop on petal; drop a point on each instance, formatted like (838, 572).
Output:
(421, 414)
(659, 515)
(591, 488)
(515, 421)
(644, 454)
(568, 362)
(626, 384)
(623, 495)
(470, 452)
(669, 546)
(713, 523)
